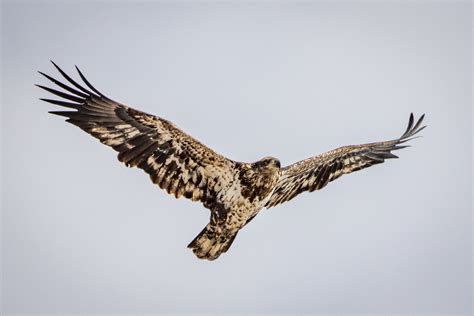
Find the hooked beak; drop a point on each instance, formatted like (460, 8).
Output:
(277, 164)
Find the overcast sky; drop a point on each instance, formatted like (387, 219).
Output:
(83, 234)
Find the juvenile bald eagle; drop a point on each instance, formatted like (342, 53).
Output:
(233, 191)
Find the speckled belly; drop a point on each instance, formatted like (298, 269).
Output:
(240, 212)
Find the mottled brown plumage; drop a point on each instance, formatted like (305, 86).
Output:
(179, 164)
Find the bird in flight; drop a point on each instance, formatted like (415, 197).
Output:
(233, 191)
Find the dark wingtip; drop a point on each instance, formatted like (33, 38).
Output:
(61, 113)
(70, 80)
(398, 147)
(62, 103)
(44, 75)
(418, 123)
(410, 125)
(88, 83)
(413, 129)
(422, 128)
(56, 66)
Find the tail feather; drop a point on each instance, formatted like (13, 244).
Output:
(209, 244)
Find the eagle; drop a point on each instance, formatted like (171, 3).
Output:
(233, 191)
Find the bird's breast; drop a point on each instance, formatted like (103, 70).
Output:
(256, 186)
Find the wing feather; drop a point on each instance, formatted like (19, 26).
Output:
(175, 161)
(316, 172)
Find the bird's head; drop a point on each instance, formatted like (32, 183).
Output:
(268, 163)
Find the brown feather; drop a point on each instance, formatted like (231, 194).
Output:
(316, 172)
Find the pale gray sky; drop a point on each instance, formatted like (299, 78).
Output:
(83, 234)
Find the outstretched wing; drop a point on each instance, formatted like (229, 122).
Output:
(316, 172)
(175, 161)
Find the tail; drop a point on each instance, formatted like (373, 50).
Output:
(210, 245)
